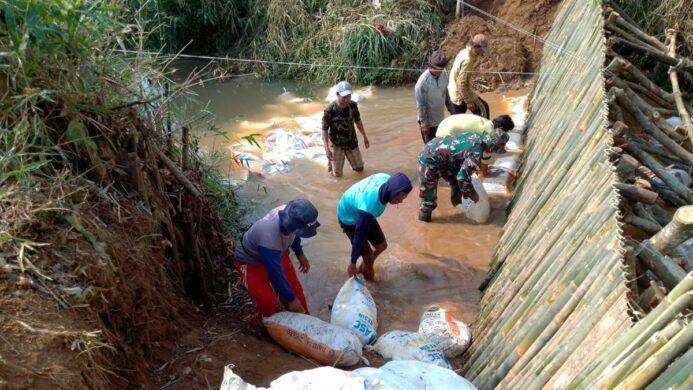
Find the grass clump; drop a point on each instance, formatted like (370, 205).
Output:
(324, 32)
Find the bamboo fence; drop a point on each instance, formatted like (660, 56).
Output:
(556, 311)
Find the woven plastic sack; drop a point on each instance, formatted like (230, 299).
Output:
(412, 375)
(354, 309)
(313, 338)
(317, 378)
(401, 345)
(450, 335)
(477, 211)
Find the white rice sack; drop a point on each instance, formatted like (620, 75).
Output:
(354, 309)
(412, 375)
(507, 163)
(496, 184)
(319, 378)
(401, 345)
(313, 338)
(232, 381)
(477, 211)
(451, 335)
(514, 143)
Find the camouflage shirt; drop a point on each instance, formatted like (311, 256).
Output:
(339, 122)
(458, 155)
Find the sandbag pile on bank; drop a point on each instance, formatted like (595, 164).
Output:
(397, 375)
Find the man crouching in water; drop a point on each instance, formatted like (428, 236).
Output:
(262, 257)
(358, 209)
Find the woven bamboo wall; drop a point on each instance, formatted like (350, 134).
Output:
(559, 294)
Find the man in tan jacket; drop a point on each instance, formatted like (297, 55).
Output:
(462, 96)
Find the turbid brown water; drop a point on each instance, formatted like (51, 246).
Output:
(439, 263)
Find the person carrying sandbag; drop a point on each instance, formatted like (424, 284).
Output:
(262, 257)
(454, 158)
(358, 209)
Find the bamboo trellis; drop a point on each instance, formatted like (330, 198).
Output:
(556, 314)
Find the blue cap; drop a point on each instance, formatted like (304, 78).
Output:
(300, 217)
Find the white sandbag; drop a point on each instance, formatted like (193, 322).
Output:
(313, 338)
(496, 184)
(319, 378)
(508, 163)
(412, 375)
(354, 309)
(477, 211)
(232, 381)
(451, 335)
(514, 143)
(401, 345)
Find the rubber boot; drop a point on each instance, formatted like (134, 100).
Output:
(425, 216)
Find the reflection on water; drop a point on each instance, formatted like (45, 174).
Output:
(438, 263)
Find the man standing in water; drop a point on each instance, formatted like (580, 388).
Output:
(462, 97)
(262, 257)
(358, 209)
(430, 92)
(338, 133)
(454, 158)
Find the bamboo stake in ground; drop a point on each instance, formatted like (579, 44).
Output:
(677, 231)
(666, 269)
(685, 117)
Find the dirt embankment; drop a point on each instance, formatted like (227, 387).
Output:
(512, 51)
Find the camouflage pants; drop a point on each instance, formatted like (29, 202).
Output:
(428, 186)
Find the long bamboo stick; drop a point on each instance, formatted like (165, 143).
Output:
(659, 360)
(683, 112)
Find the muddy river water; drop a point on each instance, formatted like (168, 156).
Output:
(439, 263)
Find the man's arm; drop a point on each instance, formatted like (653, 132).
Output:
(325, 134)
(356, 114)
(464, 176)
(421, 107)
(272, 260)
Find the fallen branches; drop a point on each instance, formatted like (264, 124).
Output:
(685, 116)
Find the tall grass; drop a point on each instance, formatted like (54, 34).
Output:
(339, 32)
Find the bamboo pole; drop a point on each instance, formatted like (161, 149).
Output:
(669, 179)
(650, 128)
(666, 269)
(678, 299)
(683, 112)
(677, 373)
(659, 360)
(634, 360)
(642, 79)
(681, 63)
(187, 184)
(633, 28)
(636, 193)
(676, 232)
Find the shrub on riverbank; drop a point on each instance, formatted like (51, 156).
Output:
(105, 232)
(322, 32)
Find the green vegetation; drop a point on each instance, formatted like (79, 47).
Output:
(327, 32)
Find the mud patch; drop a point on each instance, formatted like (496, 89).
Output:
(512, 51)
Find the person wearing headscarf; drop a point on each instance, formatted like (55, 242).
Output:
(357, 211)
(431, 92)
(454, 158)
(262, 257)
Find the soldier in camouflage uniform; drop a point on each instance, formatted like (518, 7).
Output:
(454, 158)
(338, 133)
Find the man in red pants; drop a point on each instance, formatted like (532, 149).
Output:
(262, 257)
